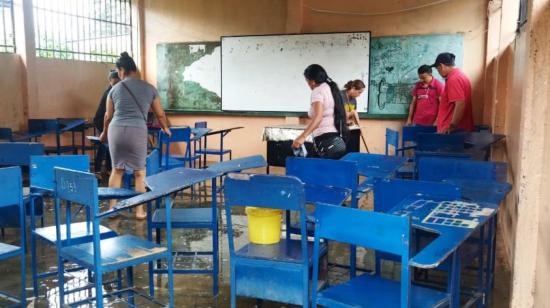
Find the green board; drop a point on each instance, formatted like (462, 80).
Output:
(189, 76)
(394, 61)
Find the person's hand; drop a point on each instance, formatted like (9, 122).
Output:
(451, 128)
(103, 137)
(167, 132)
(409, 122)
(298, 142)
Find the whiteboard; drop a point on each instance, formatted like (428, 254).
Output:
(265, 73)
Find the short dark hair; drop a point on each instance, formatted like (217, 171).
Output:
(446, 58)
(113, 74)
(126, 62)
(424, 69)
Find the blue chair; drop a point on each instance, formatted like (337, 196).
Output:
(440, 169)
(392, 140)
(100, 255)
(389, 192)
(42, 184)
(6, 134)
(180, 135)
(205, 151)
(327, 181)
(19, 153)
(11, 193)
(278, 272)
(410, 133)
(187, 218)
(199, 148)
(440, 142)
(387, 233)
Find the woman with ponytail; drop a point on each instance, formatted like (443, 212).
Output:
(328, 117)
(125, 124)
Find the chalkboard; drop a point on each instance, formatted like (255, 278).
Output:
(189, 76)
(394, 63)
(265, 72)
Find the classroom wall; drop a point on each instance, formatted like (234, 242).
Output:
(67, 88)
(193, 20)
(11, 91)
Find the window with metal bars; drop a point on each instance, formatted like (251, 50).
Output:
(88, 30)
(522, 19)
(7, 32)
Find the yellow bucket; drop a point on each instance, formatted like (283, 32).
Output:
(264, 225)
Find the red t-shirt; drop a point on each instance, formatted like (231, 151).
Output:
(427, 102)
(457, 88)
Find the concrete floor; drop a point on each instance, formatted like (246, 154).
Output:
(195, 290)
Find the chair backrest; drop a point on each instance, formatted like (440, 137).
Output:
(324, 172)
(440, 142)
(389, 192)
(409, 133)
(42, 166)
(19, 153)
(11, 189)
(268, 191)
(76, 186)
(387, 233)
(392, 139)
(439, 169)
(202, 124)
(6, 133)
(179, 134)
(152, 163)
(42, 125)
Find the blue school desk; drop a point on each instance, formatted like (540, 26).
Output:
(454, 221)
(374, 166)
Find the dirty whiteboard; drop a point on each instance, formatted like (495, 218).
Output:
(394, 64)
(265, 73)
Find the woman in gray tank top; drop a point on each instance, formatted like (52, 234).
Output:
(125, 125)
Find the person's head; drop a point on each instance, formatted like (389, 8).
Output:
(444, 63)
(354, 88)
(125, 65)
(316, 75)
(425, 74)
(113, 77)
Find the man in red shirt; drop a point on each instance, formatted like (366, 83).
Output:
(455, 108)
(425, 102)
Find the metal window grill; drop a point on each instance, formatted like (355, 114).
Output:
(7, 32)
(88, 30)
(522, 19)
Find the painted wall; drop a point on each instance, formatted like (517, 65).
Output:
(179, 21)
(11, 91)
(71, 88)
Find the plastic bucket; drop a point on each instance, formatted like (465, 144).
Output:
(264, 225)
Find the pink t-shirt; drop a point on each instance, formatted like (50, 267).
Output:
(323, 95)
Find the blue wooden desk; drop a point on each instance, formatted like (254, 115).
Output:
(19, 153)
(374, 166)
(481, 140)
(238, 165)
(454, 221)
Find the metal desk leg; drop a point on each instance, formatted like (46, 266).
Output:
(454, 279)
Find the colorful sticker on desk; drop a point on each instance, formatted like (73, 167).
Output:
(457, 214)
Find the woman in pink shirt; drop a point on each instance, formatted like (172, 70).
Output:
(328, 117)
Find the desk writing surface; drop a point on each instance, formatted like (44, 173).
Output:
(375, 165)
(177, 179)
(453, 220)
(482, 190)
(165, 183)
(482, 140)
(224, 130)
(239, 164)
(67, 124)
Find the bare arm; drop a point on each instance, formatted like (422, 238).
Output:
(109, 111)
(356, 117)
(318, 111)
(161, 116)
(412, 108)
(458, 113)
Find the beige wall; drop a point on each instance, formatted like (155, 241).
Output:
(68, 88)
(180, 21)
(11, 91)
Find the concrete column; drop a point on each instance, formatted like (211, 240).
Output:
(532, 250)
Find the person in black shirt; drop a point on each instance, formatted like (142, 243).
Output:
(103, 152)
